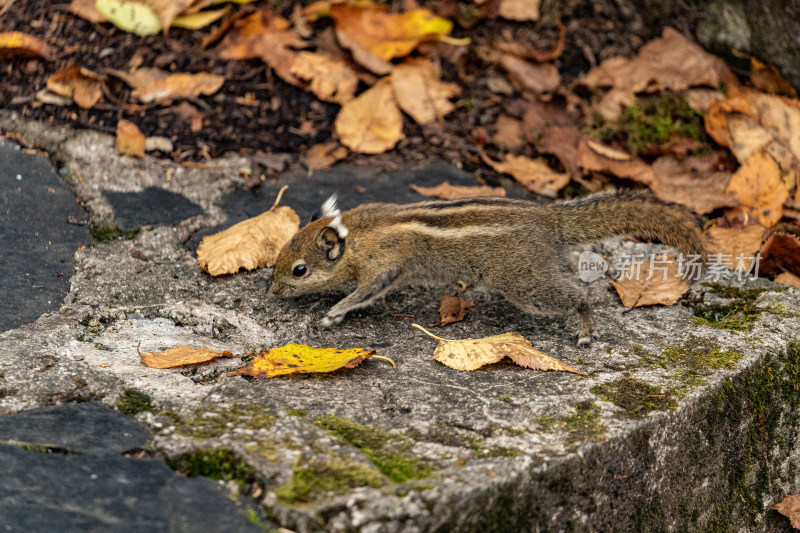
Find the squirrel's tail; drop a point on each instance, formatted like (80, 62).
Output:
(633, 215)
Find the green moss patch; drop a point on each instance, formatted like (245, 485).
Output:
(319, 477)
(739, 315)
(133, 401)
(217, 464)
(217, 420)
(107, 233)
(582, 425)
(399, 467)
(702, 354)
(636, 397)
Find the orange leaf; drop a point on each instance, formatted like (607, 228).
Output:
(82, 85)
(535, 174)
(454, 192)
(130, 141)
(453, 309)
(329, 80)
(790, 508)
(420, 92)
(302, 359)
(695, 182)
(324, 155)
(18, 44)
(372, 123)
(597, 157)
(180, 356)
(735, 242)
(665, 285)
(759, 187)
(781, 253)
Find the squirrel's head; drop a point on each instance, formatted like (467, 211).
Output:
(313, 260)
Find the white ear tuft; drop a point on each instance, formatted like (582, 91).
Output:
(329, 208)
(337, 225)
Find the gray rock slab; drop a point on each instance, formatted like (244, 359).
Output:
(682, 423)
(37, 241)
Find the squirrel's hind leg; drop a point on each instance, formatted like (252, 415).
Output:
(587, 324)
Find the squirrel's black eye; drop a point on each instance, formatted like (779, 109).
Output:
(299, 271)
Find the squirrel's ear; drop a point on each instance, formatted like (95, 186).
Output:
(331, 238)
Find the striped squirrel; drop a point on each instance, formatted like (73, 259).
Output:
(516, 247)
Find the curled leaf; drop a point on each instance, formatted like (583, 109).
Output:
(454, 192)
(18, 44)
(453, 309)
(302, 359)
(82, 85)
(130, 141)
(471, 354)
(180, 356)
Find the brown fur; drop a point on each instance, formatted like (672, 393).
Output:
(516, 247)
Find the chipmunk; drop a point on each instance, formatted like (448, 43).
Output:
(516, 247)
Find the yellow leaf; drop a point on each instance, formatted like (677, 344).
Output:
(388, 35)
(371, 123)
(471, 354)
(302, 359)
(180, 356)
(195, 21)
(252, 243)
(82, 85)
(665, 284)
(324, 155)
(18, 44)
(454, 192)
(759, 187)
(736, 242)
(420, 92)
(130, 141)
(132, 17)
(330, 80)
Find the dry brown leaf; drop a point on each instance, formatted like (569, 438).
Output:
(178, 87)
(252, 243)
(265, 36)
(420, 92)
(612, 161)
(612, 105)
(324, 155)
(735, 242)
(787, 278)
(695, 182)
(18, 44)
(387, 35)
(781, 253)
(746, 136)
(302, 359)
(519, 9)
(180, 356)
(453, 309)
(759, 187)
(535, 174)
(769, 79)
(670, 62)
(508, 133)
(790, 508)
(537, 78)
(130, 141)
(186, 110)
(82, 85)
(446, 191)
(562, 141)
(524, 50)
(665, 285)
(472, 354)
(86, 9)
(372, 123)
(329, 80)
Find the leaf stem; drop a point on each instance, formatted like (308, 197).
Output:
(430, 334)
(384, 358)
(278, 199)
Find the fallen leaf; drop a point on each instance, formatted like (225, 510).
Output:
(769, 79)
(18, 44)
(132, 17)
(519, 9)
(446, 191)
(524, 50)
(695, 182)
(508, 133)
(252, 243)
(665, 285)
(759, 187)
(329, 80)
(371, 123)
(537, 78)
(154, 85)
(735, 243)
(453, 309)
(420, 92)
(592, 157)
(86, 9)
(186, 110)
(324, 155)
(180, 356)
(790, 508)
(562, 141)
(266, 36)
(787, 278)
(201, 19)
(671, 62)
(130, 141)
(83, 86)
(472, 354)
(535, 174)
(302, 359)
(388, 35)
(781, 253)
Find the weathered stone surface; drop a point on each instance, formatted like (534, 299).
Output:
(681, 424)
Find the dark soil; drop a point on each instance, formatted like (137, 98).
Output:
(286, 118)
